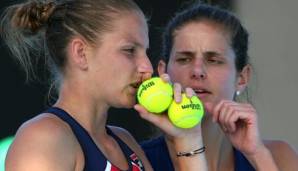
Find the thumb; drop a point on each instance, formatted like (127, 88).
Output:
(153, 118)
(159, 120)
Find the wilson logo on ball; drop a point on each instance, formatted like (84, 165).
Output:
(192, 106)
(145, 87)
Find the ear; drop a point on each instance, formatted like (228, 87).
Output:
(78, 51)
(161, 68)
(243, 78)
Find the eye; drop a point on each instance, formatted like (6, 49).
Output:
(183, 60)
(213, 60)
(129, 50)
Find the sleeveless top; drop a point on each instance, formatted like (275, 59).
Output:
(157, 152)
(94, 158)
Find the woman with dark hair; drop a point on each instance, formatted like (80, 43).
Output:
(205, 48)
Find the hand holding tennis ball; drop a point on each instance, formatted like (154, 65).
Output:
(186, 114)
(155, 95)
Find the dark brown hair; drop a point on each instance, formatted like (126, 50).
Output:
(203, 12)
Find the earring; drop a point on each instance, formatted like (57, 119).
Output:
(238, 93)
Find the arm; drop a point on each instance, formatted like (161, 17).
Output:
(41, 144)
(187, 143)
(280, 153)
(262, 159)
(179, 140)
(283, 154)
(239, 123)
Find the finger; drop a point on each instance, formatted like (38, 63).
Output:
(229, 111)
(189, 92)
(241, 114)
(232, 109)
(177, 92)
(239, 120)
(220, 106)
(224, 112)
(216, 110)
(140, 109)
(231, 121)
(165, 78)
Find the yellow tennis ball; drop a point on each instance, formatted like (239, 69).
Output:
(188, 113)
(155, 95)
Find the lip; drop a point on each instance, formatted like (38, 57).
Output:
(202, 95)
(132, 90)
(201, 92)
(135, 86)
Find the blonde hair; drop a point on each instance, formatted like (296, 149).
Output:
(40, 30)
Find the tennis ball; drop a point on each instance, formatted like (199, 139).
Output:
(186, 114)
(155, 95)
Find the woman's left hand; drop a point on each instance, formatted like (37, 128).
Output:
(162, 121)
(240, 123)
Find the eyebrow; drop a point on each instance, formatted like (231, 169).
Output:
(186, 53)
(193, 53)
(137, 44)
(211, 53)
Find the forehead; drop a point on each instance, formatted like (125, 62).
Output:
(202, 32)
(131, 25)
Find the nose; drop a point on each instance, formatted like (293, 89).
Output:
(145, 68)
(199, 70)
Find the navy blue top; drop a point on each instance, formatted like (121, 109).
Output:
(157, 152)
(94, 158)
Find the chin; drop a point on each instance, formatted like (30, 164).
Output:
(124, 106)
(129, 103)
(208, 107)
(129, 106)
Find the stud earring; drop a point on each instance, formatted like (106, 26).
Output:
(238, 92)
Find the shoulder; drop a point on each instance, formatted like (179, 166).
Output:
(284, 155)
(125, 136)
(42, 142)
(128, 139)
(122, 133)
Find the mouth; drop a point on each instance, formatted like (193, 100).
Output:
(136, 85)
(201, 92)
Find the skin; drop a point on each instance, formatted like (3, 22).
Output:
(47, 143)
(178, 140)
(202, 59)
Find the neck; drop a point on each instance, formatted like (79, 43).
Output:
(81, 106)
(219, 151)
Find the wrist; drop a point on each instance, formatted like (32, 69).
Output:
(191, 153)
(184, 144)
(262, 159)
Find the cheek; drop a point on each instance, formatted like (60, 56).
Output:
(177, 74)
(227, 85)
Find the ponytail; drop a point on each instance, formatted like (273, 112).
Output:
(22, 29)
